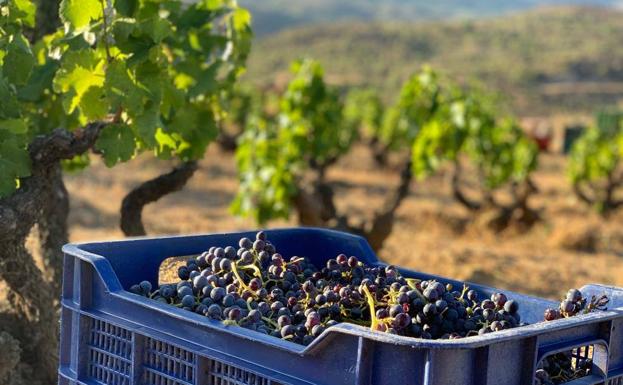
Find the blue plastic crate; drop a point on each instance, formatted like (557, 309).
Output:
(110, 336)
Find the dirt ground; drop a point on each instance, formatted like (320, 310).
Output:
(572, 245)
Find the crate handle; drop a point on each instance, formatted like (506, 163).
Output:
(599, 358)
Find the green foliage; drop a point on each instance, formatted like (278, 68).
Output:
(364, 109)
(467, 124)
(416, 105)
(595, 157)
(237, 105)
(80, 13)
(433, 119)
(272, 156)
(310, 102)
(153, 70)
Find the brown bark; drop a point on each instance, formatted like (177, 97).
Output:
(382, 223)
(151, 191)
(379, 151)
(33, 299)
(227, 142)
(53, 228)
(315, 206)
(602, 197)
(457, 191)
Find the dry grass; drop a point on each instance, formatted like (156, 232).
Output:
(571, 247)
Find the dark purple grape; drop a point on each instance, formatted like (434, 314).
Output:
(245, 243)
(499, 299)
(136, 289)
(567, 307)
(317, 330)
(230, 252)
(511, 306)
(288, 331)
(188, 301)
(353, 262)
(259, 245)
(183, 272)
(574, 295)
(234, 314)
(342, 259)
(217, 294)
(401, 321)
(215, 312)
(283, 321)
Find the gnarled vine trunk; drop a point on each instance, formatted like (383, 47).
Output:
(149, 192)
(33, 294)
(517, 211)
(315, 206)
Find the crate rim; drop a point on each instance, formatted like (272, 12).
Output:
(102, 265)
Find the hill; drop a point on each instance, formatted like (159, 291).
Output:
(275, 15)
(549, 59)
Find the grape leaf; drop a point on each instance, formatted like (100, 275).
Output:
(126, 7)
(116, 142)
(167, 143)
(79, 13)
(242, 19)
(23, 10)
(18, 61)
(15, 126)
(79, 71)
(206, 81)
(40, 79)
(156, 28)
(146, 124)
(122, 90)
(94, 104)
(9, 108)
(210, 5)
(14, 164)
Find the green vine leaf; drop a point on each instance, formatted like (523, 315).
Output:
(79, 13)
(116, 143)
(80, 70)
(22, 10)
(19, 61)
(14, 164)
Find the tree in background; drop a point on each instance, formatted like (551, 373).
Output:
(119, 79)
(282, 163)
(467, 131)
(595, 164)
(364, 108)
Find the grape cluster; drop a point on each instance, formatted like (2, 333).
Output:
(431, 310)
(574, 304)
(563, 367)
(255, 287)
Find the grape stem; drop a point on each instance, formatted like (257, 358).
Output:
(234, 269)
(375, 321)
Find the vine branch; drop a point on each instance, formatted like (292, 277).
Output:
(150, 191)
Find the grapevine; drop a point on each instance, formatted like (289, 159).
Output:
(595, 164)
(117, 79)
